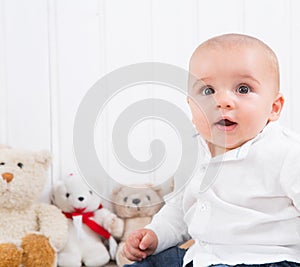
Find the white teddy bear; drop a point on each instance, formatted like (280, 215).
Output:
(89, 224)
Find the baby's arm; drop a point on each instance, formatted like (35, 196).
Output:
(290, 176)
(169, 225)
(140, 244)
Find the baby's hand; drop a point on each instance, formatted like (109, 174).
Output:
(140, 244)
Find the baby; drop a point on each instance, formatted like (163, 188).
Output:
(250, 213)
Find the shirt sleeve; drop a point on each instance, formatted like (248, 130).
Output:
(290, 176)
(168, 223)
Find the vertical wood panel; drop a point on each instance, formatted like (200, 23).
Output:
(27, 74)
(274, 29)
(103, 67)
(128, 32)
(174, 37)
(54, 89)
(174, 29)
(24, 77)
(294, 74)
(128, 40)
(219, 17)
(78, 53)
(3, 88)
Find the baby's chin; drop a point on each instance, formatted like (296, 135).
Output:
(222, 147)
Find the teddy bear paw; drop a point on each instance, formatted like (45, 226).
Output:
(120, 257)
(117, 227)
(69, 259)
(98, 256)
(10, 255)
(37, 251)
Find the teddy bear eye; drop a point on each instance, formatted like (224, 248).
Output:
(67, 195)
(20, 165)
(2, 163)
(148, 197)
(125, 199)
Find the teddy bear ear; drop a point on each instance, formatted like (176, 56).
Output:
(159, 190)
(116, 190)
(57, 186)
(43, 157)
(166, 187)
(52, 197)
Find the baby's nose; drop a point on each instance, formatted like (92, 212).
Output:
(7, 176)
(224, 100)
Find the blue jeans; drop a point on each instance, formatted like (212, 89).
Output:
(173, 257)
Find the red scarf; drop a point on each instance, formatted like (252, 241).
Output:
(90, 223)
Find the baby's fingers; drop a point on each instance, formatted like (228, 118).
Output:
(133, 253)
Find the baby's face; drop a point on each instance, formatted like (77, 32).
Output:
(234, 95)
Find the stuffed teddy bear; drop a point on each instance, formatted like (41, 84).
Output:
(89, 224)
(30, 232)
(136, 206)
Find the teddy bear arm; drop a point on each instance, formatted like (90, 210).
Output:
(103, 216)
(110, 221)
(53, 224)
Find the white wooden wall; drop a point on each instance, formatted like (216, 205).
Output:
(53, 51)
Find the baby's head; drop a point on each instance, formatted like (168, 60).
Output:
(233, 90)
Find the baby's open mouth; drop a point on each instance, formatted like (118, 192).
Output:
(226, 125)
(226, 122)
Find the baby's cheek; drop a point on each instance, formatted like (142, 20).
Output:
(205, 132)
(201, 123)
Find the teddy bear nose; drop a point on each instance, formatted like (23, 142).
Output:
(7, 176)
(136, 201)
(81, 198)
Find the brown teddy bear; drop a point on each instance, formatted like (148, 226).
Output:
(136, 206)
(30, 232)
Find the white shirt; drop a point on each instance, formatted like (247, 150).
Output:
(250, 211)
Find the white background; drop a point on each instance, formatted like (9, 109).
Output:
(53, 51)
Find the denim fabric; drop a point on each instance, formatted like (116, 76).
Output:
(173, 257)
(273, 264)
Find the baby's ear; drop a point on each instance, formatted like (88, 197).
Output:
(277, 108)
(43, 157)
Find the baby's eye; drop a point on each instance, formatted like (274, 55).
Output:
(243, 89)
(208, 91)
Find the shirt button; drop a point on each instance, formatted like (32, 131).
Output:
(203, 168)
(203, 207)
(203, 243)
